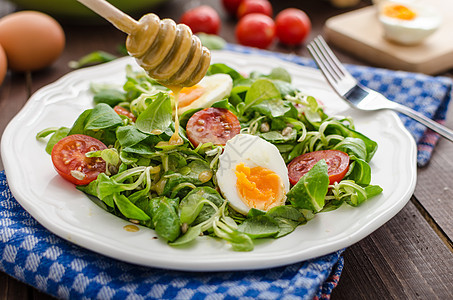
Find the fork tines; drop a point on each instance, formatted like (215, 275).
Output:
(326, 60)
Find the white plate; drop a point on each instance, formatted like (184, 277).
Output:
(68, 213)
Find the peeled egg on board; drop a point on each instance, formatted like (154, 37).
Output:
(209, 90)
(32, 40)
(252, 174)
(3, 65)
(407, 22)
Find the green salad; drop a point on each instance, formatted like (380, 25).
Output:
(255, 158)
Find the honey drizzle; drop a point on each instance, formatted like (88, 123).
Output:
(131, 228)
(175, 139)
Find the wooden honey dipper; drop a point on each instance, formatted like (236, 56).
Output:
(168, 52)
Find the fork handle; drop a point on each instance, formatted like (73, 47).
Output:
(434, 126)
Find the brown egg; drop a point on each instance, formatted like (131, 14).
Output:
(32, 40)
(3, 65)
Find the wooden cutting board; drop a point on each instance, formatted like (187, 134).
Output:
(359, 33)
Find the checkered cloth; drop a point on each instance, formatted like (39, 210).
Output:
(35, 256)
(426, 94)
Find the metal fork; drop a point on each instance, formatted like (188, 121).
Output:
(358, 95)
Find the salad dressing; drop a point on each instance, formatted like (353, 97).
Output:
(131, 228)
(205, 176)
(156, 132)
(175, 139)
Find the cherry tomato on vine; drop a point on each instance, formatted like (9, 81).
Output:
(69, 160)
(203, 18)
(231, 6)
(255, 30)
(212, 124)
(337, 164)
(254, 6)
(292, 26)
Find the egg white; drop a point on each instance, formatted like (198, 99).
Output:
(217, 87)
(253, 151)
(410, 32)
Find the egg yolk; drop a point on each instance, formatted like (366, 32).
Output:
(188, 95)
(399, 11)
(259, 187)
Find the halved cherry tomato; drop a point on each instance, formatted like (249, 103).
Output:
(292, 26)
(212, 124)
(124, 112)
(255, 30)
(203, 18)
(337, 164)
(69, 160)
(254, 6)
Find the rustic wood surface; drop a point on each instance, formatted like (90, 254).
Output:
(410, 257)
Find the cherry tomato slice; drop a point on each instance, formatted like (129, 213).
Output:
(337, 164)
(203, 18)
(212, 124)
(69, 160)
(124, 112)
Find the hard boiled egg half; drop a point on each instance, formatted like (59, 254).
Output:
(408, 22)
(209, 90)
(252, 174)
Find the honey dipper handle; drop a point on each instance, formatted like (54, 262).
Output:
(112, 14)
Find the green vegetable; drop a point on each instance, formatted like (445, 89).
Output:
(57, 134)
(212, 41)
(95, 57)
(99, 122)
(259, 227)
(157, 117)
(165, 218)
(311, 190)
(199, 205)
(111, 97)
(128, 209)
(261, 90)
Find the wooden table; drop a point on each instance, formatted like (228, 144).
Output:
(410, 257)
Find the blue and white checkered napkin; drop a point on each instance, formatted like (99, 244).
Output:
(426, 94)
(35, 256)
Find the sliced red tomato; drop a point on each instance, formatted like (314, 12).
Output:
(69, 160)
(124, 112)
(212, 124)
(337, 165)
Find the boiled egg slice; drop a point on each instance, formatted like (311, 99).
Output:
(408, 22)
(209, 90)
(252, 174)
